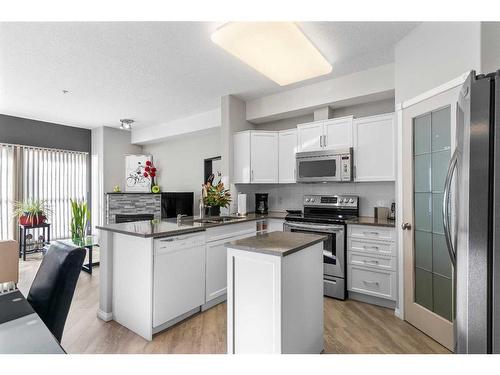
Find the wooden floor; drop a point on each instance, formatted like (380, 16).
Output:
(350, 327)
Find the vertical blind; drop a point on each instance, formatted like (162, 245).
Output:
(56, 176)
(6, 191)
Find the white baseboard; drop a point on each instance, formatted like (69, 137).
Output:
(106, 316)
(397, 313)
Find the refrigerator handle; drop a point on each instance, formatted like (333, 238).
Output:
(446, 198)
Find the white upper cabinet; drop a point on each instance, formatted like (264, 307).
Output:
(338, 133)
(375, 148)
(263, 157)
(310, 136)
(287, 149)
(241, 157)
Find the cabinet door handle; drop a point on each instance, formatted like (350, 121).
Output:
(370, 247)
(251, 175)
(371, 282)
(374, 233)
(370, 261)
(320, 141)
(324, 140)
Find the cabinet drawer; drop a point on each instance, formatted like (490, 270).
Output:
(231, 230)
(371, 247)
(376, 283)
(371, 232)
(368, 260)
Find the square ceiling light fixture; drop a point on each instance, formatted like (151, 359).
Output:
(279, 50)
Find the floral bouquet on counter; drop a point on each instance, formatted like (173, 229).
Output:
(150, 172)
(215, 196)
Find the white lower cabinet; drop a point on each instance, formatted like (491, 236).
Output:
(371, 261)
(216, 256)
(371, 281)
(178, 277)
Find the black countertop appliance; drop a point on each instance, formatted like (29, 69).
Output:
(261, 203)
(174, 203)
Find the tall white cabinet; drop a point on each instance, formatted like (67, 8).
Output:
(375, 148)
(287, 147)
(263, 157)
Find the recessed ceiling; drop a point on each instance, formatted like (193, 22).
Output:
(154, 72)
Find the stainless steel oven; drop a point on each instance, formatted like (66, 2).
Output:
(325, 166)
(333, 253)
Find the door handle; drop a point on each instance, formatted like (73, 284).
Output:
(406, 226)
(446, 198)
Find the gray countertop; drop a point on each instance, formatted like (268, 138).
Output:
(365, 220)
(170, 227)
(277, 243)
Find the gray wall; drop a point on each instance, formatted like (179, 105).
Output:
(435, 53)
(180, 160)
(109, 147)
(24, 131)
(490, 46)
(287, 123)
(358, 110)
(367, 109)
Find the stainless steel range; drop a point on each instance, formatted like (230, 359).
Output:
(326, 215)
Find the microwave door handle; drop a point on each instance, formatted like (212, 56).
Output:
(446, 198)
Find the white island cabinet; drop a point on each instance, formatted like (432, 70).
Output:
(275, 294)
(153, 275)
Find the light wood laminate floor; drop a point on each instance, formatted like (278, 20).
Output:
(350, 327)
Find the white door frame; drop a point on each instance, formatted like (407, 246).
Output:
(399, 311)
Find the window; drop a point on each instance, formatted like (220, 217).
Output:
(45, 174)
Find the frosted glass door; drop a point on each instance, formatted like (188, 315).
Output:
(431, 156)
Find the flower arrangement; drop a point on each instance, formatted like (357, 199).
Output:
(32, 212)
(215, 196)
(150, 172)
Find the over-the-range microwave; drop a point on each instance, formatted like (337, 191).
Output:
(325, 166)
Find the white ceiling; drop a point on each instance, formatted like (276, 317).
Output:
(154, 72)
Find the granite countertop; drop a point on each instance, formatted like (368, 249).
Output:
(365, 220)
(277, 243)
(170, 227)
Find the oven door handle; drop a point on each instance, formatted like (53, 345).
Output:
(317, 227)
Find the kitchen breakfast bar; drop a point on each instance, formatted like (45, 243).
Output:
(155, 274)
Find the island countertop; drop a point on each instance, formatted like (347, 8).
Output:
(170, 227)
(277, 243)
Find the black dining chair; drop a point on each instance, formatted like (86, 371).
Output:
(52, 290)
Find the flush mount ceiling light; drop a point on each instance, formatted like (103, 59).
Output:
(126, 124)
(279, 50)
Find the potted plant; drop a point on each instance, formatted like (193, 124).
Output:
(79, 220)
(215, 196)
(32, 212)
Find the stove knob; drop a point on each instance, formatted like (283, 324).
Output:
(307, 199)
(351, 200)
(312, 200)
(341, 200)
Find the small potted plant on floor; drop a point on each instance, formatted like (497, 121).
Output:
(79, 220)
(32, 212)
(215, 196)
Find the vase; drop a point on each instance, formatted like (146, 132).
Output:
(212, 210)
(26, 220)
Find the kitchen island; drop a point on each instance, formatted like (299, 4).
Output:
(275, 294)
(154, 274)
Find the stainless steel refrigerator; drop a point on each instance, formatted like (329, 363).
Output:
(471, 212)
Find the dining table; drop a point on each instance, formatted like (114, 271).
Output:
(22, 331)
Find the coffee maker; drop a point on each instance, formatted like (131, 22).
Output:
(261, 204)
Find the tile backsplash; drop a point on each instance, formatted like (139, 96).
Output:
(289, 196)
